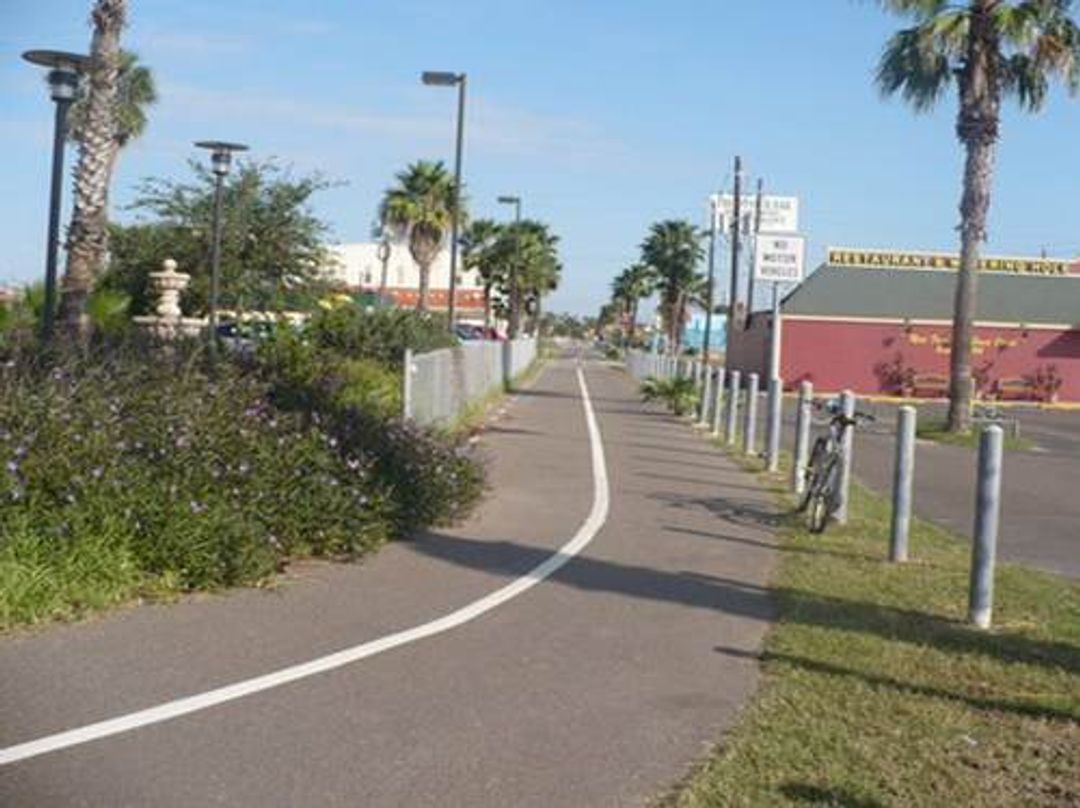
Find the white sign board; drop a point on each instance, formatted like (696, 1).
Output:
(779, 214)
(779, 258)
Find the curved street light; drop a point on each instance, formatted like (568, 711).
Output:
(65, 72)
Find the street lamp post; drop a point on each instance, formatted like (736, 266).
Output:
(515, 314)
(714, 211)
(64, 72)
(221, 153)
(444, 79)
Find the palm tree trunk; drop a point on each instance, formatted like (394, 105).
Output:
(977, 128)
(633, 318)
(425, 283)
(88, 233)
(487, 305)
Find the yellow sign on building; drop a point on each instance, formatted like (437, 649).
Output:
(896, 259)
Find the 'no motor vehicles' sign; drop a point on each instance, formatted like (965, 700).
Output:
(779, 258)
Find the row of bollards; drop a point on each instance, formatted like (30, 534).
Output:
(721, 390)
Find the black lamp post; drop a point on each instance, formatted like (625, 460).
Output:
(443, 79)
(515, 313)
(65, 70)
(221, 153)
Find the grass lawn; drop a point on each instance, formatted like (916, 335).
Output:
(935, 430)
(876, 693)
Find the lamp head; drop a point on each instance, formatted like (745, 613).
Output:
(65, 71)
(436, 78)
(221, 153)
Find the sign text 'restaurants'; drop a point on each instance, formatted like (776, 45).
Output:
(892, 259)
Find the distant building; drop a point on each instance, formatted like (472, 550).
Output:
(357, 269)
(694, 332)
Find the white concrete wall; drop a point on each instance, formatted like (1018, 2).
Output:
(359, 268)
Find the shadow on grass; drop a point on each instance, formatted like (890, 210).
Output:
(835, 797)
(991, 704)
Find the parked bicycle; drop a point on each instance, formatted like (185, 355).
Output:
(822, 488)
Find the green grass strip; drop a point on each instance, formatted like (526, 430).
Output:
(876, 693)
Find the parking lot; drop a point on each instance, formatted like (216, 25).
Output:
(1040, 518)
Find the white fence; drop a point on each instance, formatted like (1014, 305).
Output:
(442, 384)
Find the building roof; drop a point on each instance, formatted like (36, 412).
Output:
(919, 294)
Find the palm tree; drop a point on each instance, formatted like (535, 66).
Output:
(480, 251)
(989, 48)
(530, 248)
(136, 90)
(632, 285)
(88, 233)
(673, 250)
(420, 208)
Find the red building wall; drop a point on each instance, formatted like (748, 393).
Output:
(872, 357)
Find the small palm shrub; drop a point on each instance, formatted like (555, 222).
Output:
(680, 394)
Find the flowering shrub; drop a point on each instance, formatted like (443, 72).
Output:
(176, 477)
(380, 334)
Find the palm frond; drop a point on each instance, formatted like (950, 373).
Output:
(912, 66)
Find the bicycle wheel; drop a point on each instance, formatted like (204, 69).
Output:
(823, 500)
(812, 474)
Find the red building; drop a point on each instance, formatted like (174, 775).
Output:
(880, 323)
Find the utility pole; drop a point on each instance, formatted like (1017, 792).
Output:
(733, 293)
(757, 230)
(709, 294)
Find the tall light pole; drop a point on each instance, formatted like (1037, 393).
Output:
(221, 153)
(515, 314)
(733, 294)
(63, 77)
(714, 211)
(444, 79)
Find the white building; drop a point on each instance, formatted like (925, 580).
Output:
(357, 268)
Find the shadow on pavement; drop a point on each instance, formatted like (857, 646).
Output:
(695, 590)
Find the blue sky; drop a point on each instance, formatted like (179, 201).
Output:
(604, 116)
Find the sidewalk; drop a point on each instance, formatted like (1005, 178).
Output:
(598, 686)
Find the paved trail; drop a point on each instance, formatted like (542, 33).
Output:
(594, 681)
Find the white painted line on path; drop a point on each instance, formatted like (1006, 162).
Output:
(211, 698)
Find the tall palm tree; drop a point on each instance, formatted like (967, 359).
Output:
(88, 233)
(420, 208)
(480, 252)
(136, 90)
(632, 285)
(990, 49)
(673, 250)
(531, 249)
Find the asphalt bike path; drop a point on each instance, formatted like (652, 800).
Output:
(588, 675)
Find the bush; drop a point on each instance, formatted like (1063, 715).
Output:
(198, 482)
(378, 334)
(679, 394)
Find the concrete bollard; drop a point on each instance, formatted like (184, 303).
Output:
(776, 404)
(987, 516)
(718, 402)
(903, 478)
(803, 419)
(750, 428)
(735, 380)
(706, 398)
(847, 445)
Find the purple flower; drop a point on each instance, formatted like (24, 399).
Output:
(12, 467)
(196, 507)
